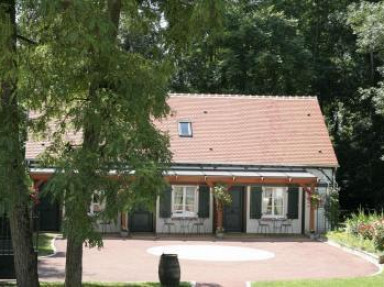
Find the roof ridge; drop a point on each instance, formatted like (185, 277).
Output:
(244, 96)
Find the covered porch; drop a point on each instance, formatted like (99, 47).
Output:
(267, 202)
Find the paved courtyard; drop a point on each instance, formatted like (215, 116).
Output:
(136, 259)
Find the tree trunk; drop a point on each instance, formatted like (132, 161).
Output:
(12, 155)
(91, 141)
(74, 262)
(219, 215)
(25, 258)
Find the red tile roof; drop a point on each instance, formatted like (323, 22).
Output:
(257, 130)
(246, 130)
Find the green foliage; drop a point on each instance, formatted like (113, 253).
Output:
(365, 19)
(45, 243)
(99, 284)
(100, 94)
(370, 281)
(222, 195)
(367, 227)
(315, 199)
(352, 241)
(332, 207)
(255, 53)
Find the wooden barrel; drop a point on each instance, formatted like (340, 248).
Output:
(169, 270)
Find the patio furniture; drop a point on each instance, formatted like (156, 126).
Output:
(184, 226)
(277, 224)
(263, 226)
(167, 226)
(106, 226)
(198, 226)
(286, 226)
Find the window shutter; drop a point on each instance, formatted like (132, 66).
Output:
(204, 201)
(256, 200)
(165, 203)
(293, 203)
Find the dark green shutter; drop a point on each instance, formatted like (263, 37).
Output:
(293, 203)
(165, 203)
(204, 201)
(256, 200)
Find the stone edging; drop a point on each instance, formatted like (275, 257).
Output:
(372, 258)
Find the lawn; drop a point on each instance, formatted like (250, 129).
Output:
(372, 281)
(144, 284)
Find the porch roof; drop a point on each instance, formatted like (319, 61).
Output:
(302, 178)
(240, 174)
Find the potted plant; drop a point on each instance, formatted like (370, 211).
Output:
(222, 197)
(312, 235)
(315, 199)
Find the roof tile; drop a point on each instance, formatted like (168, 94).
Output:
(239, 129)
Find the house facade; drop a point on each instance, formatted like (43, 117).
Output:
(272, 153)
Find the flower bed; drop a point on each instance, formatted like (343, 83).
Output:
(367, 227)
(362, 231)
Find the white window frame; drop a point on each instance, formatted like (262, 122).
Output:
(184, 213)
(189, 134)
(274, 189)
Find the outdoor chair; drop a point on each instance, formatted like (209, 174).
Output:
(198, 226)
(263, 227)
(286, 226)
(167, 226)
(184, 226)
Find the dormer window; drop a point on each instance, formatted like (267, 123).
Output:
(185, 128)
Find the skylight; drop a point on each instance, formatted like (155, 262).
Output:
(185, 128)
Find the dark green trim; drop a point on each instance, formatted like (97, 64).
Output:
(293, 203)
(165, 203)
(204, 201)
(256, 202)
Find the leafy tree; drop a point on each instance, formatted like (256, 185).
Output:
(14, 184)
(365, 18)
(104, 86)
(256, 53)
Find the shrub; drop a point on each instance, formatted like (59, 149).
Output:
(332, 207)
(352, 224)
(366, 230)
(378, 234)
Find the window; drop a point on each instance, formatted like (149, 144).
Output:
(274, 201)
(185, 128)
(97, 205)
(184, 201)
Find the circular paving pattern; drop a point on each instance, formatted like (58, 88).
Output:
(212, 252)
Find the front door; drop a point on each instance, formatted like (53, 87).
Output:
(49, 214)
(233, 213)
(141, 220)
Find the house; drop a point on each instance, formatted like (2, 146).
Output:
(272, 152)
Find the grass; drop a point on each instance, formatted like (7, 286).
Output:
(353, 241)
(98, 284)
(145, 284)
(372, 281)
(45, 243)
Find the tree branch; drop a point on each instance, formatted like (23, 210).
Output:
(29, 41)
